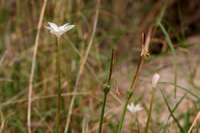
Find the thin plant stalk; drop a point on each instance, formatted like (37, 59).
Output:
(139, 67)
(106, 90)
(143, 54)
(150, 109)
(129, 93)
(59, 90)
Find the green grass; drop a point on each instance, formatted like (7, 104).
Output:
(171, 113)
(119, 27)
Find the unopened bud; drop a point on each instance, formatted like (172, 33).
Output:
(155, 79)
(106, 88)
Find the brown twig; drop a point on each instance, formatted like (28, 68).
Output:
(111, 67)
(139, 66)
(117, 91)
(144, 53)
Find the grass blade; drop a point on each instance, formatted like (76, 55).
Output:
(177, 104)
(171, 113)
(173, 52)
(182, 88)
(173, 110)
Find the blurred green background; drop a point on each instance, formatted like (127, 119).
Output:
(120, 25)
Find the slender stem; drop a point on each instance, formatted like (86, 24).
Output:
(130, 93)
(106, 90)
(150, 109)
(59, 85)
(139, 67)
(111, 67)
(133, 84)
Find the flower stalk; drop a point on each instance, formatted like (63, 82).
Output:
(58, 31)
(144, 52)
(155, 80)
(150, 109)
(129, 94)
(59, 90)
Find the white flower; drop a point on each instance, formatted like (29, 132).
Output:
(134, 108)
(155, 79)
(58, 30)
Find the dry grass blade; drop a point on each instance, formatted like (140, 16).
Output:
(194, 122)
(33, 66)
(85, 126)
(33, 99)
(82, 67)
(3, 57)
(2, 121)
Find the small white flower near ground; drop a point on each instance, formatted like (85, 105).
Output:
(58, 30)
(155, 79)
(134, 108)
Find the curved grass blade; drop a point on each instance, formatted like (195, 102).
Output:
(173, 52)
(182, 88)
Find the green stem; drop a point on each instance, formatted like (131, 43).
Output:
(129, 92)
(150, 109)
(106, 90)
(59, 84)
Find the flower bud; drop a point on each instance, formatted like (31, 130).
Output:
(155, 79)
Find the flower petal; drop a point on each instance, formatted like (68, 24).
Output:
(58, 30)
(134, 108)
(64, 26)
(53, 26)
(47, 27)
(69, 27)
